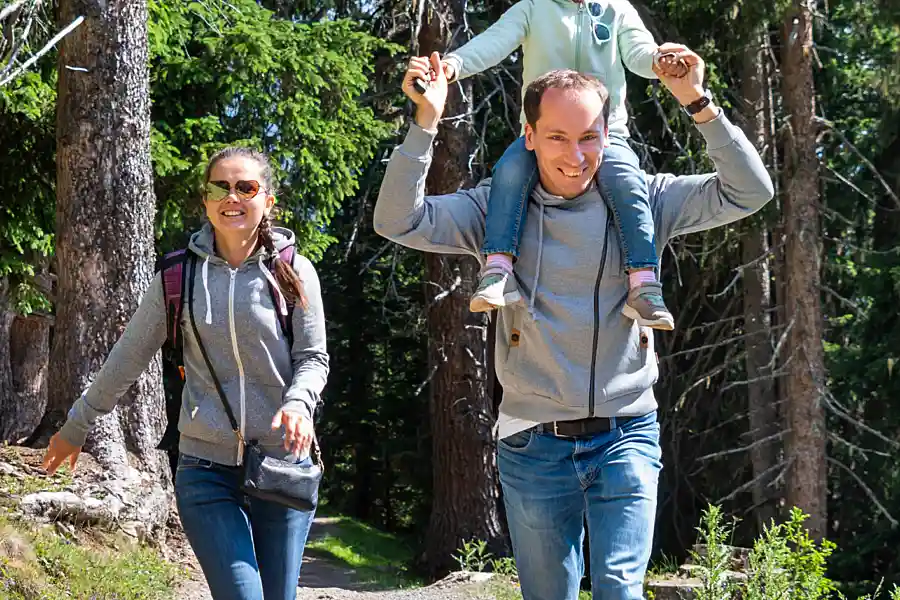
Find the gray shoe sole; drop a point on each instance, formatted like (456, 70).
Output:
(479, 303)
(663, 323)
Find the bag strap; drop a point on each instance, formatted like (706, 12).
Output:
(212, 372)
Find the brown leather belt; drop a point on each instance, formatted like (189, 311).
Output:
(583, 427)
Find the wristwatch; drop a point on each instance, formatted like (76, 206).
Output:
(699, 104)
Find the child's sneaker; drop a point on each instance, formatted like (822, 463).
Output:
(645, 305)
(496, 287)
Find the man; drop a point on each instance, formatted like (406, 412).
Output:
(579, 439)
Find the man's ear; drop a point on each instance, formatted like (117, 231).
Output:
(270, 202)
(529, 136)
(606, 135)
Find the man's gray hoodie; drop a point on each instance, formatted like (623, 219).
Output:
(239, 328)
(568, 352)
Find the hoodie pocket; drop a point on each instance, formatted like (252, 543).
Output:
(529, 367)
(642, 372)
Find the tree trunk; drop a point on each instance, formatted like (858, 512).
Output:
(757, 296)
(29, 359)
(806, 482)
(466, 485)
(104, 223)
(8, 398)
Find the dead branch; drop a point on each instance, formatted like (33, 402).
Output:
(866, 489)
(865, 161)
(832, 404)
(760, 442)
(748, 485)
(42, 51)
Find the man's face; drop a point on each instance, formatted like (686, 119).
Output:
(568, 140)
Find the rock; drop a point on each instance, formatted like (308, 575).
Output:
(672, 589)
(740, 557)
(462, 577)
(694, 572)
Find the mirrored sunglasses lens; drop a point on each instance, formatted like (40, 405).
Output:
(602, 32)
(595, 9)
(215, 191)
(246, 189)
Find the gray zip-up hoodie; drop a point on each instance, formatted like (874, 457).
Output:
(239, 328)
(568, 352)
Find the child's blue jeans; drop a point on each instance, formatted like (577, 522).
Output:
(516, 174)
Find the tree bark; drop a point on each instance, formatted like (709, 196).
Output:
(806, 482)
(757, 297)
(104, 222)
(8, 399)
(29, 359)
(466, 491)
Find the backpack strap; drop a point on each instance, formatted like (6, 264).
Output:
(286, 255)
(172, 267)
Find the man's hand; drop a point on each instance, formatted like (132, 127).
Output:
(57, 452)
(430, 105)
(690, 87)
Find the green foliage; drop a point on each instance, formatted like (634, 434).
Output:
(39, 565)
(785, 563)
(473, 555)
(715, 562)
(375, 556)
(235, 74)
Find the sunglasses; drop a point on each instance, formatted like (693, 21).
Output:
(601, 30)
(243, 189)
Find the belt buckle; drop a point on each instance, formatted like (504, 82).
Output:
(558, 434)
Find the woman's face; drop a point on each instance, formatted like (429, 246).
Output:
(236, 197)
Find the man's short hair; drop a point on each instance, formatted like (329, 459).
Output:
(561, 79)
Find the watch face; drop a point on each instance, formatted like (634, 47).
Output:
(699, 104)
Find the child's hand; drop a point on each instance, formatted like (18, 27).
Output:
(430, 103)
(449, 70)
(670, 64)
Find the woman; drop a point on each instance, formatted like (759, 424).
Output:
(248, 548)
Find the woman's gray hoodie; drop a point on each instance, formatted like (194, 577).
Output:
(241, 333)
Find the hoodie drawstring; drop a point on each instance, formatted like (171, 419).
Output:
(205, 276)
(282, 304)
(537, 268)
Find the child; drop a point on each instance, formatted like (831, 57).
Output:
(595, 37)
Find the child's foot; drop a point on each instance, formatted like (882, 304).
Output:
(496, 287)
(645, 305)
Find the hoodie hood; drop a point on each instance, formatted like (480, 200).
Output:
(203, 243)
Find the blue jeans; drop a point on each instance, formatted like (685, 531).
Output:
(516, 174)
(551, 485)
(248, 548)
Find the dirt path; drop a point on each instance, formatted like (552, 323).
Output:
(321, 579)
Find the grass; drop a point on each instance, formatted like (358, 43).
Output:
(377, 557)
(40, 565)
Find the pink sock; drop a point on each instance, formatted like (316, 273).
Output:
(503, 261)
(636, 278)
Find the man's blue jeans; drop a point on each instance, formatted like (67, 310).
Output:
(551, 485)
(248, 548)
(623, 182)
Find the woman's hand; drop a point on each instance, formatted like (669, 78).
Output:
(57, 452)
(298, 430)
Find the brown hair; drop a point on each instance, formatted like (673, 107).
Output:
(561, 79)
(289, 284)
